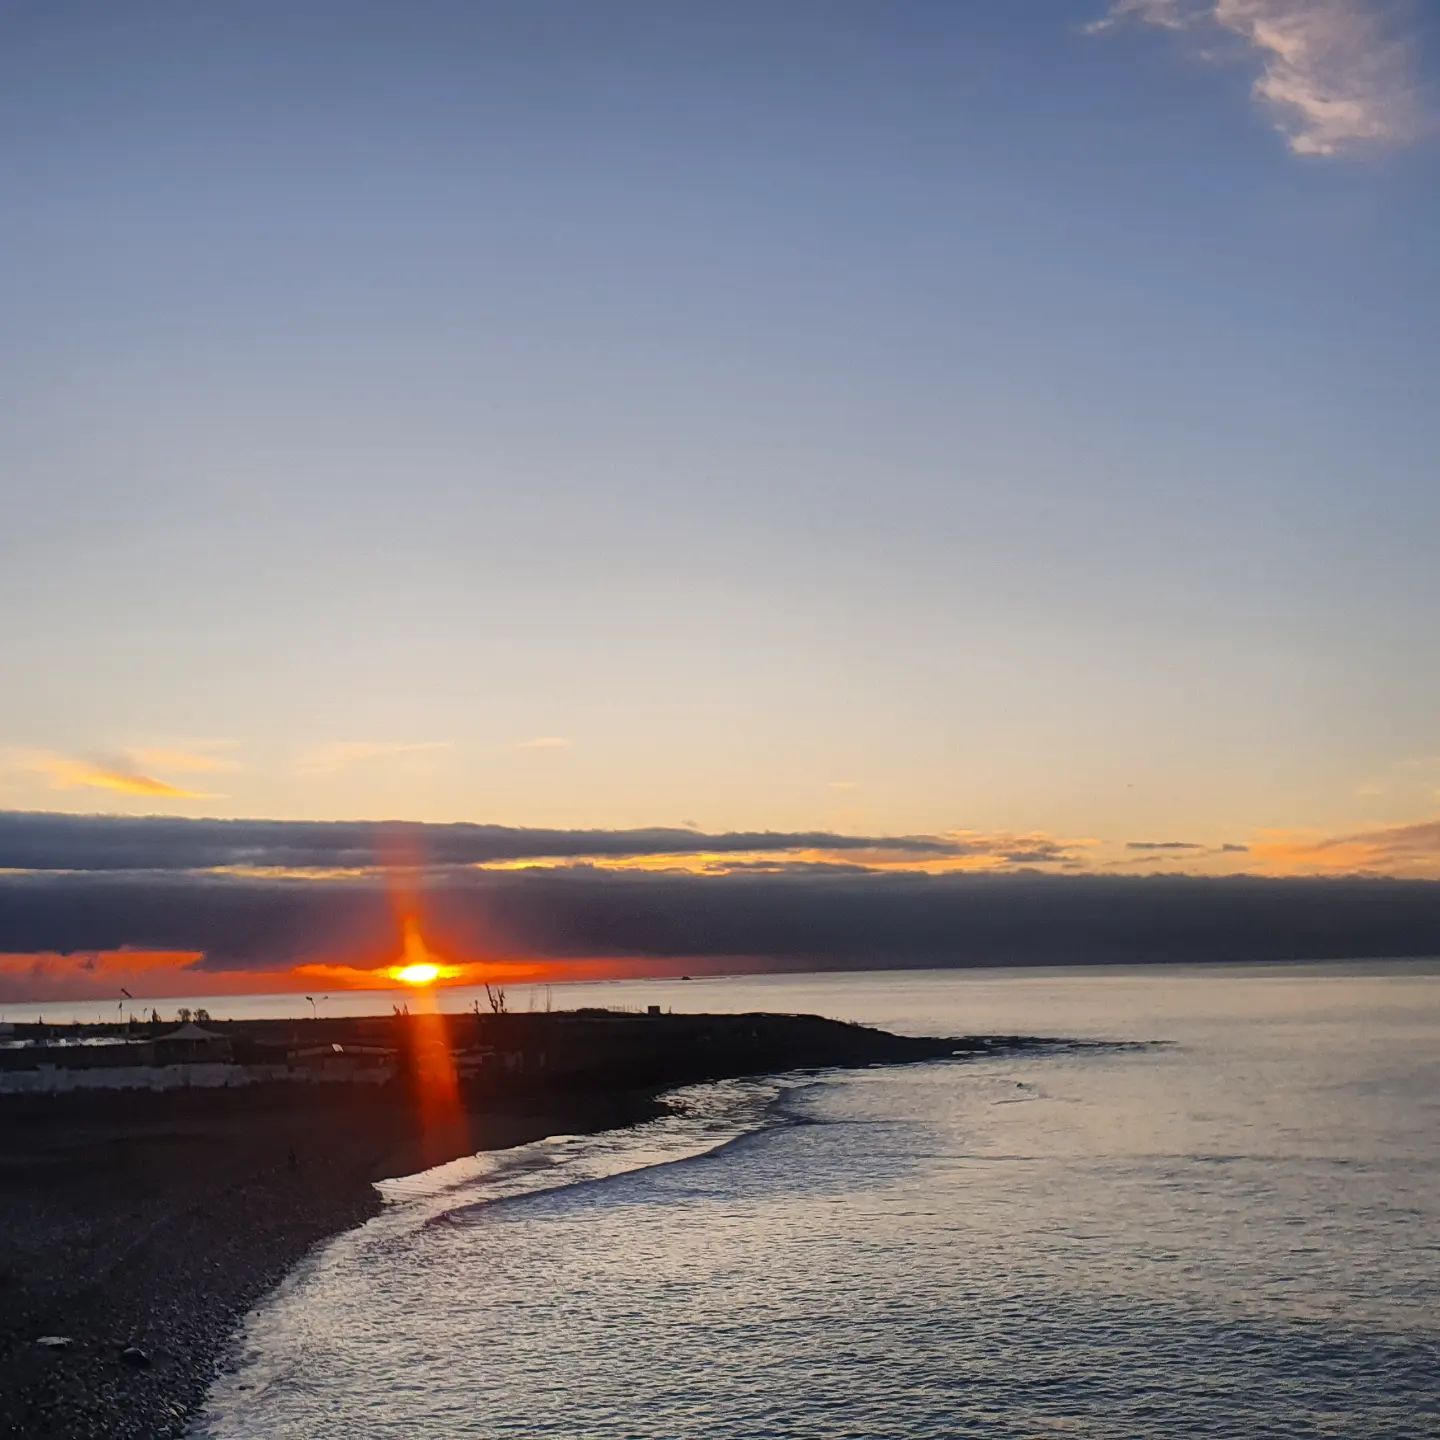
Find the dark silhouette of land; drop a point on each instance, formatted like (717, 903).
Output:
(141, 1225)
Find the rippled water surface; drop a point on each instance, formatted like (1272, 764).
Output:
(1233, 1235)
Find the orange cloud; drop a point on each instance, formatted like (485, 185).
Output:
(970, 851)
(1404, 850)
(68, 773)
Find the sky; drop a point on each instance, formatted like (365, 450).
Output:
(1008, 428)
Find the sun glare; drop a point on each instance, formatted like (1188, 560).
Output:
(416, 966)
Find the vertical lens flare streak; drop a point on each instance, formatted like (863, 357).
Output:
(428, 1046)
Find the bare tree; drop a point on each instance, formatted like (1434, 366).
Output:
(496, 996)
(184, 1013)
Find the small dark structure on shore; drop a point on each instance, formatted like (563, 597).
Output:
(193, 1045)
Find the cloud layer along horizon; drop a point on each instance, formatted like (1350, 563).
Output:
(224, 900)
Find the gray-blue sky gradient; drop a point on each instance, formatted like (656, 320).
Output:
(817, 416)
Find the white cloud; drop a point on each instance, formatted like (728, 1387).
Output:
(1168, 14)
(1336, 74)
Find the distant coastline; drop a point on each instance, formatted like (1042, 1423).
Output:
(152, 1220)
(357, 1002)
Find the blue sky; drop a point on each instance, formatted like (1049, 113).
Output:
(882, 418)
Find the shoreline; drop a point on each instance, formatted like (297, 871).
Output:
(159, 1219)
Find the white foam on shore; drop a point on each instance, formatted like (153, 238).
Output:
(702, 1119)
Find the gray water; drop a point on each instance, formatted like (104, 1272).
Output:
(1235, 1235)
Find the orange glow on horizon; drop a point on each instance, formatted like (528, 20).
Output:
(516, 971)
(101, 975)
(89, 978)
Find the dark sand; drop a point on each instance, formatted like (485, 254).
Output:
(158, 1221)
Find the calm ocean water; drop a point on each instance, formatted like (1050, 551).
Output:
(1234, 1235)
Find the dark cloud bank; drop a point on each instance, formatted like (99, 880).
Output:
(1186, 845)
(45, 841)
(87, 891)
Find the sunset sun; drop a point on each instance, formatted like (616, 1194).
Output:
(420, 973)
(417, 966)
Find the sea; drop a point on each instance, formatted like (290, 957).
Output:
(1225, 1225)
